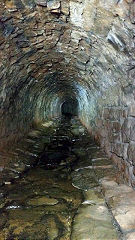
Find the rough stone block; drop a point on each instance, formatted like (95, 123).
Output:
(131, 111)
(131, 152)
(114, 114)
(124, 112)
(132, 131)
(119, 163)
(126, 129)
(107, 147)
(120, 149)
(116, 127)
(114, 137)
(123, 215)
(53, 5)
(106, 113)
(99, 123)
(29, 3)
(76, 13)
(41, 2)
(107, 125)
(132, 12)
(65, 7)
(103, 133)
(131, 175)
(117, 113)
(115, 41)
(80, 66)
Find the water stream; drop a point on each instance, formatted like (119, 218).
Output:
(59, 198)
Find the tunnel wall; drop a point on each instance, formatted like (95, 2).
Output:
(52, 50)
(108, 110)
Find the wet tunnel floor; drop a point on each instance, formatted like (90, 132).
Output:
(60, 198)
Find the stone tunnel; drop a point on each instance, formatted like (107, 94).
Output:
(61, 57)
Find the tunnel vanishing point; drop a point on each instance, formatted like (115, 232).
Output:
(69, 56)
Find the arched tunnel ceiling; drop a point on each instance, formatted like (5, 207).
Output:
(54, 49)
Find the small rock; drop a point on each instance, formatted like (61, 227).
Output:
(38, 201)
(13, 207)
(7, 183)
(53, 5)
(41, 2)
(47, 124)
(65, 7)
(94, 196)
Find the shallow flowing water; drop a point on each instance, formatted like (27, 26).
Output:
(60, 198)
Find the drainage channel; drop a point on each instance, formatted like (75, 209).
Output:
(60, 198)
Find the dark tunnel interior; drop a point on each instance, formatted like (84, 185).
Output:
(69, 108)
